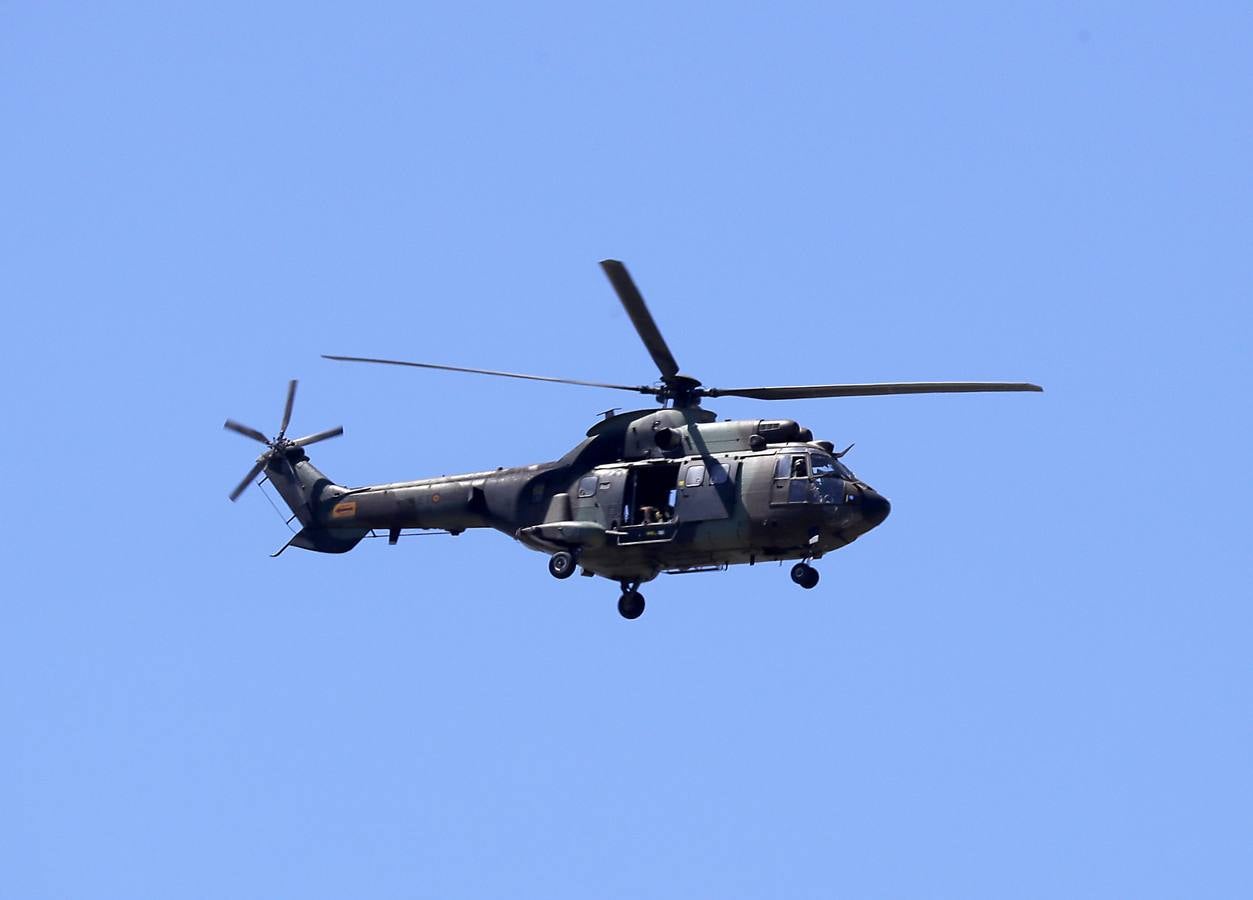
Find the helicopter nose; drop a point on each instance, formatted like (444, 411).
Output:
(874, 507)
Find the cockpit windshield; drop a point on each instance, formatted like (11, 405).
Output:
(828, 467)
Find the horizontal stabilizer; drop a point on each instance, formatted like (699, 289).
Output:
(328, 540)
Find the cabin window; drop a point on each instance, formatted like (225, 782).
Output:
(695, 476)
(588, 485)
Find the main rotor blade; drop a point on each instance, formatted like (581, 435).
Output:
(815, 391)
(291, 399)
(320, 436)
(248, 479)
(641, 318)
(642, 389)
(232, 425)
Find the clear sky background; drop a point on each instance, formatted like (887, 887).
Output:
(1033, 680)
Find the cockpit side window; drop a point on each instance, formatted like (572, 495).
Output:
(800, 467)
(823, 465)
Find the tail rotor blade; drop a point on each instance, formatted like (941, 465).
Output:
(291, 399)
(320, 436)
(250, 477)
(232, 425)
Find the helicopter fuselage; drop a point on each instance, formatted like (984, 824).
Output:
(647, 492)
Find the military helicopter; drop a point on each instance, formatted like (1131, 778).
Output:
(650, 491)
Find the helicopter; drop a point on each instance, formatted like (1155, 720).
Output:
(649, 491)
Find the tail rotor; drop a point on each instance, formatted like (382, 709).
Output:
(279, 446)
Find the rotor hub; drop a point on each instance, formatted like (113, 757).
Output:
(681, 391)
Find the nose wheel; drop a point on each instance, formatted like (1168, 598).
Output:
(805, 575)
(631, 603)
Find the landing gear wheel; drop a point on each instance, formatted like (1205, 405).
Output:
(631, 605)
(561, 564)
(805, 575)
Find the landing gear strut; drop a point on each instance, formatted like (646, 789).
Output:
(561, 564)
(805, 575)
(631, 603)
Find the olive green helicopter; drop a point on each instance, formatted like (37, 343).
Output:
(650, 491)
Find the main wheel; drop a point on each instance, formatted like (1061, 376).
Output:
(561, 564)
(631, 605)
(805, 575)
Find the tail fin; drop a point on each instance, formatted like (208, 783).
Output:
(311, 496)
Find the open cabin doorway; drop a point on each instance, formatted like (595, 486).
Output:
(648, 503)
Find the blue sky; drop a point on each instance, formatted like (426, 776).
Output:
(1033, 680)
